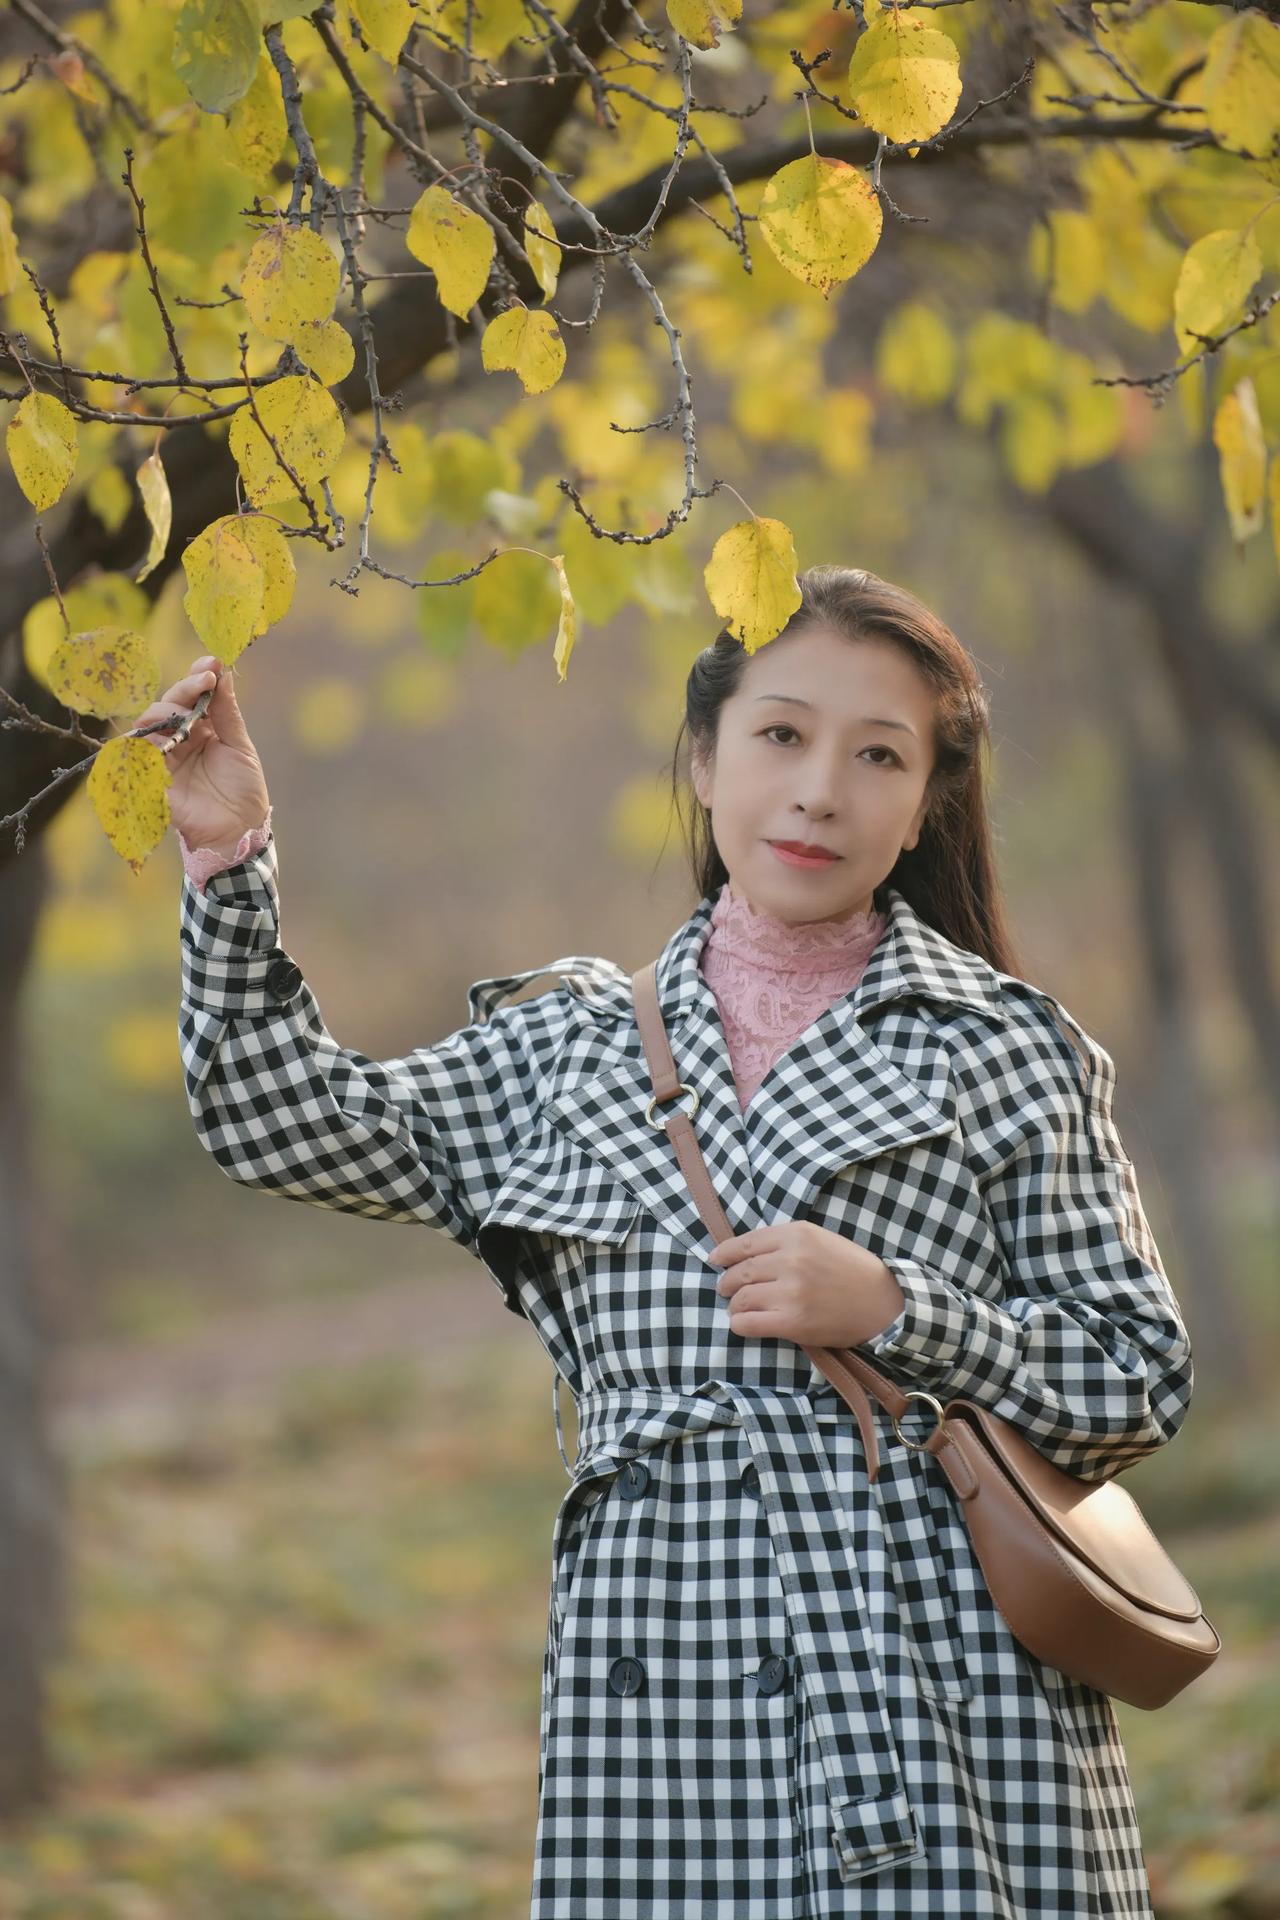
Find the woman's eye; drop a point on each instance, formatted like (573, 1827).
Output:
(781, 726)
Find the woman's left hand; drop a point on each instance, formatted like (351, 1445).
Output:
(798, 1281)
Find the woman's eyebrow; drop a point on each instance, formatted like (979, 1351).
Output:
(868, 720)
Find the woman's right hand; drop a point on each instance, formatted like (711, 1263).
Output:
(217, 790)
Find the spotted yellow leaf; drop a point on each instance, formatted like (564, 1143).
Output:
(128, 790)
(158, 505)
(105, 671)
(1240, 84)
(1242, 459)
(304, 422)
(1218, 272)
(525, 341)
(327, 348)
(272, 552)
(542, 247)
(701, 22)
(215, 51)
(751, 580)
(567, 631)
(385, 24)
(110, 497)
(904, 78)
(256, 126)
(821, 218)
(290, 280)
(225, 589)
(42, 443)
(455, 243)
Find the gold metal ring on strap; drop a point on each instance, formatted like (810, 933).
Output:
(921, 1445)
(648, 1112)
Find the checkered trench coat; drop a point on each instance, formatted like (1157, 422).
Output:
(771, 1689)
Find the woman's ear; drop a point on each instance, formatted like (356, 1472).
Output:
(918, 820)
(699, 774)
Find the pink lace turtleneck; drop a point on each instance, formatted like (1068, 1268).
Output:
(771, 980)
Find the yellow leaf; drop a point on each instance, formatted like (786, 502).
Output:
(271, 551)
(701, 22)
(256, 126)
(105, 671)
(158, 504)
(916, 355)
(110, 600)
(42, 443)
(128, 789)
(567, 631)
(463, 468)
(494, 24)
(72, 72)
(542, 247)
(822, 219)
(110, 497)
(526, 341)
(515, 601)
(225, 589)
(215, 51)
(1068, 244)
(455, 243)
(327, 348)
(1240, 84)
(290, 280)
(1242, 459)
(385, 25)
(303, 420)
(601, 568)
(751, 580)
(904, 78)
(1217, 275)
(11, 274)
(1031, 441)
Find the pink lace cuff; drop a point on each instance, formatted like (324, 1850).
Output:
(202, 863)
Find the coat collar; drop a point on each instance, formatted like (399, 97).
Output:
(833, 1099)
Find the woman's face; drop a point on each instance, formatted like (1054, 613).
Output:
(826, 740)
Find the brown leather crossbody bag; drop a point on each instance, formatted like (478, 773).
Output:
(1072, 1565)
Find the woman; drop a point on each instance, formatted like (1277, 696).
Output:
(773, 1689)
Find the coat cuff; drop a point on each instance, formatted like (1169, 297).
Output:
(944, 1336)
(232, 960)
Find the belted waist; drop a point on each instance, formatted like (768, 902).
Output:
(623, 1421)
(831, 1562)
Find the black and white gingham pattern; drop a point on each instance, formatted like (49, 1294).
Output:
(770, 1689)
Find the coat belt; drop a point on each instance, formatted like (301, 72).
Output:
(832, 1560)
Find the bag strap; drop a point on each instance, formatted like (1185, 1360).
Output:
(852, 1376)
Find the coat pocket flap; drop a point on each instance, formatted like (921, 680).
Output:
(552, 1186)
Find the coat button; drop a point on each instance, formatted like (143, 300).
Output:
(284, 977)
(750, 1477)
(633, 1480)
(626, 1676)
(771, 1673)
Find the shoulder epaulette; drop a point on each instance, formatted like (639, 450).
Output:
(583, 974)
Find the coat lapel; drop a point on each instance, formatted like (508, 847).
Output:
(832, 1099)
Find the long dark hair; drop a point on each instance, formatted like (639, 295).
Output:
(950, 875)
